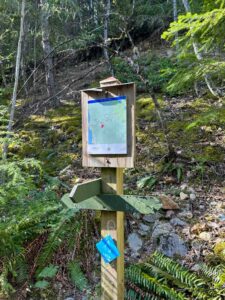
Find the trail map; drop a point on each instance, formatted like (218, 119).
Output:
(107, 125)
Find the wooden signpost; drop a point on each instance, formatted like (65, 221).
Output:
(108, 133)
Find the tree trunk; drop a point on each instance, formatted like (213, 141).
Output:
(175, 19)
(47, 49)
(105, 35)
(199, 56)
(17, 71)
(23, 55)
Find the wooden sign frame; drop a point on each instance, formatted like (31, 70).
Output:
(110, 161)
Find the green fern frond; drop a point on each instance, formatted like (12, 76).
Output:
(135, 292)
(212, 273)
(77, 276)
(151, 284)
(177, 271)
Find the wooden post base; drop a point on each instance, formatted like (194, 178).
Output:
(112, 223)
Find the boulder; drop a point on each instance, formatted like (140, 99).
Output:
(135, 242)
(167, 241)
(168, 203)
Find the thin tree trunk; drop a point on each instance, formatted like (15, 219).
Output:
(175, 19)
(17, 71)
(106, 31)
(199, 56)
(47, 49)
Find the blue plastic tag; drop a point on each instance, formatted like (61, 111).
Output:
(108, 249)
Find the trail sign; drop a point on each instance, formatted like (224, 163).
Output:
(112, 202)
(108, 134)
(108, 125)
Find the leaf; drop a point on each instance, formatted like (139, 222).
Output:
(77, 276)
(41, 284)
(49, 272)
(146, 181)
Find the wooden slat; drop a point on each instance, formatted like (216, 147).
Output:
(83, 191)
(125, 203)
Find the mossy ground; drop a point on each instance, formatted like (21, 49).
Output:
(54, 138)
(195, 128)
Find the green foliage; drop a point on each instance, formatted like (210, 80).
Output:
(77, 276)
(155, 69)
(158, 70)
(203, 28)
(173, 168)
(41, 284)
(163, 278)
(213, 116)
(149, 181)
(123, 71)
(48, 272)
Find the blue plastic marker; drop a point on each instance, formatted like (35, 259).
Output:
(108, 249)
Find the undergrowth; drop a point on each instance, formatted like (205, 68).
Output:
(162, 278)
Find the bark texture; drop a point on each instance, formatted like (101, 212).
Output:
(17, 73)
(105, 34)
(47, 49)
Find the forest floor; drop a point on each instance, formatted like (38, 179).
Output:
(191, 182)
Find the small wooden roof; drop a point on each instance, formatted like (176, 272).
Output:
(109, 81)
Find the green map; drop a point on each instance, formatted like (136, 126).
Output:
(107, 126)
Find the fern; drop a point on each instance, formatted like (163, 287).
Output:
(77, 276)
(149, 283)
(177, 271)
(162, 277)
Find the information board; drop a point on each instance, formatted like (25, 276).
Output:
(107, 125)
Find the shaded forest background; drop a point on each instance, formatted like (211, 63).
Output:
(174, 51)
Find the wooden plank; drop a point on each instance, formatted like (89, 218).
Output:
(83, 191)
(125, 203)
(67, 202)
(111, 161)
(112, 223)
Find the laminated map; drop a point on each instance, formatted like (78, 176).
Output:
(107, 126)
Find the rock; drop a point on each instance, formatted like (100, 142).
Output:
(222, 217)
(185, 215)
(168, 203)
(213, 225)
(183, 196)
(191, 190)
(167, 241)
(69, 298)
(135, 242)
(161, 229)
(198, 227)
(152, 217)
(142, 233)
(177, 222)
(144, 227)
(192, 196)
(169, 214)
(205, 236)
(183, 186)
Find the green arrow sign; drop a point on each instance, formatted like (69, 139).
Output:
(126, 203)
(86, 190)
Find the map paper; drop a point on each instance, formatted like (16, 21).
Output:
(107, 126)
